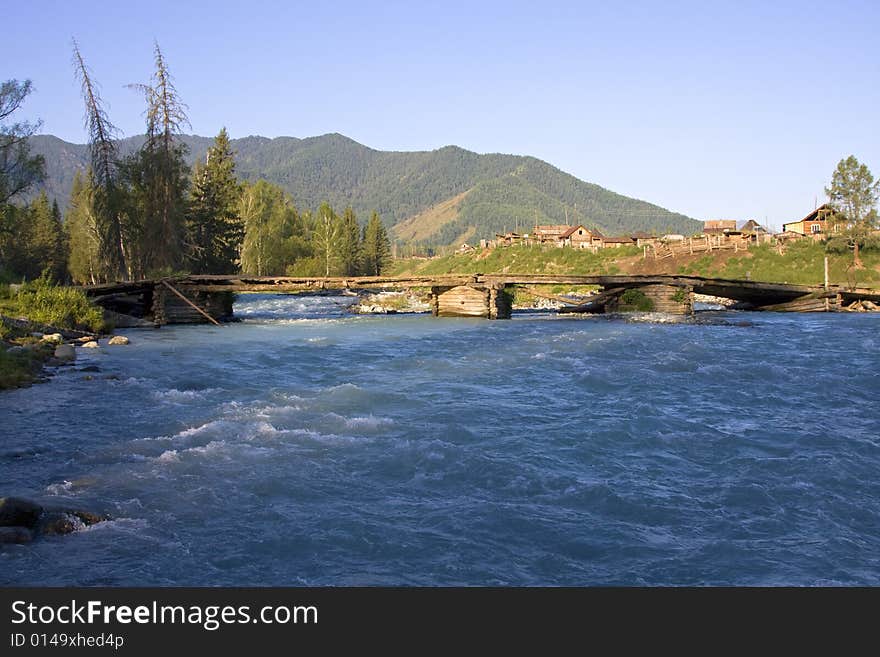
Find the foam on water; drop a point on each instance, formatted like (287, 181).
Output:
(307, 446)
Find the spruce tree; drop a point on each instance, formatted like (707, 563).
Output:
(349, 247)
(376, 247)
(214, 227)
(45, 240)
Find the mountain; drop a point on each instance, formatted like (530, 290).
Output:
(436, 197)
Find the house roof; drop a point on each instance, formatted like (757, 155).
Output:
(618, 240)
(824, 209)
(571, 231)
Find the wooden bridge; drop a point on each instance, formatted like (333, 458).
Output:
(197, 299)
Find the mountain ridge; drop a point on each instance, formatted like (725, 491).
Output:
(479, 194)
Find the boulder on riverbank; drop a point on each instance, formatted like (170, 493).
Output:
(65, 353)
(22, 520)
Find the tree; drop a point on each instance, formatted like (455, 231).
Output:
(85, 261)
(214, 227)
(19, 170)
(270, 221)
(853, 193)
(376, 246)
(157, 175)
(106, 199)
(349, 246)
(46, 244)
(325, 237)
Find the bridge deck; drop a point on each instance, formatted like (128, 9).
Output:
(754, 294)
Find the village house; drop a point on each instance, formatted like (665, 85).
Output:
(577, 237)
(617, 242)
(819, 222)
(550, 234)
(510, 238)
(719, 226)
(642, 238)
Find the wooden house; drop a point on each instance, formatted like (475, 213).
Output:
(617, 242)
(719, 226)
(550, 234)
(642, 238)
(824, 219)
(577, 237)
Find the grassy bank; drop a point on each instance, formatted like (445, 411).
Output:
(800, 263)
(44, 303)
(520, 260)
(22, 356)
(22, 367)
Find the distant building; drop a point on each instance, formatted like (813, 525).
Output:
(617, 242)
(577, 237)
(510, 238)
(642, 238)
(819, 222)
(549, 234)
(719, 226)
(752, 227)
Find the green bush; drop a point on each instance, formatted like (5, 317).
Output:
(63, 307)
(635, 300)
(680, 296)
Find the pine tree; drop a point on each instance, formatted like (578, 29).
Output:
(376, 246)
(854, 192)
(349, 246)
(214, 227)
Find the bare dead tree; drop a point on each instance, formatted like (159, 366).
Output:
(103, 154)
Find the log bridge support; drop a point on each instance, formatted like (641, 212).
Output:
(202, 298)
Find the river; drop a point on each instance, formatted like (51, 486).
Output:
(306, 446)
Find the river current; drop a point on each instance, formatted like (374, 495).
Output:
(307, 446)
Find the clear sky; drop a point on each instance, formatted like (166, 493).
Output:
(714, 109)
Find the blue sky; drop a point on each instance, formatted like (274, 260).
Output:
(714, 109)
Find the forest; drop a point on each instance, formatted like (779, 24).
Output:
(147, 213)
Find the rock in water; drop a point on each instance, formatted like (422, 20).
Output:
(65, 352)
(89, 518)
(54, 338)
(91, 344)
(15, 511)
(119, 339)
(16, 535)
(54, 523)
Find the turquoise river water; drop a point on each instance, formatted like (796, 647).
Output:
(306, 446)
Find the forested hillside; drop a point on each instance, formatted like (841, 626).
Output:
(495, 192)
